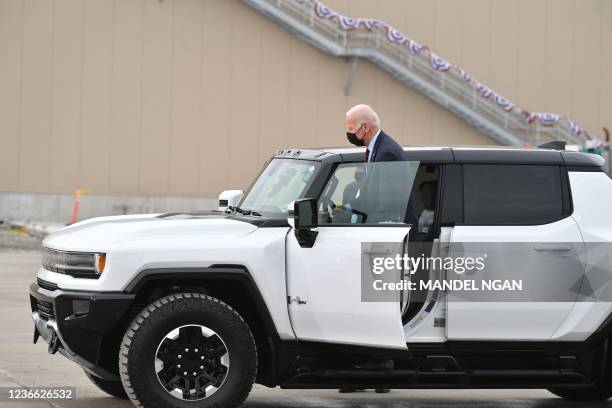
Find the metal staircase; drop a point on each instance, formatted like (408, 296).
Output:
(419, 68)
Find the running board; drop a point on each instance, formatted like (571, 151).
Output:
(442, 371)
(410, 378)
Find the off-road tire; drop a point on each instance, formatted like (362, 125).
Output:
(112, 388)
(140, 342)
(596, 393)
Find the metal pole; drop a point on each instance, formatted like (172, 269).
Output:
(352, 70)
(608, 146)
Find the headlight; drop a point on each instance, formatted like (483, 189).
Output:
(78, 264)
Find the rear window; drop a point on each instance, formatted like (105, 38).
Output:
(502, 194)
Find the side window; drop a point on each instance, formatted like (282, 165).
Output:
(519, 194)
(367, 193)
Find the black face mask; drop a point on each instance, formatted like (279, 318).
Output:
(352, 138)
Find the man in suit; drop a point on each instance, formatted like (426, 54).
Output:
(363, 128)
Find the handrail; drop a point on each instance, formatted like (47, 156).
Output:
(420, 68)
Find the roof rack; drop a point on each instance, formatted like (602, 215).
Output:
(554, 145)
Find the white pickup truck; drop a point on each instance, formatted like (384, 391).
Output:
(191, 309)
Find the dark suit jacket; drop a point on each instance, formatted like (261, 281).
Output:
(386, 149)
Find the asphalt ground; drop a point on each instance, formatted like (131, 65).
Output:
(25, 365)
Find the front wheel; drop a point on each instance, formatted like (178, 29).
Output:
(600, 392)
(188, 350)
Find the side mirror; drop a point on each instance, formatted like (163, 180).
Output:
(305, 213)
(305, 218)
(229, 198)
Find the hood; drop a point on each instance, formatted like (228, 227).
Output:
(99, 234)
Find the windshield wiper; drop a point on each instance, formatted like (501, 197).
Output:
(246, 211)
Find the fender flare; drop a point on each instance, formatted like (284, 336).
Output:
(214, 272)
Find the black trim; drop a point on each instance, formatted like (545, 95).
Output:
(452, 195)
(568, 202)
(213, 272)
(305, 154)
(430, 156)
(258, 221)
(261, 222)
(195, 214)
(585, 169)
(424, 156)
(85, 333)
(604, 331)
(315, 189)
(230, 283)
(511, 155)
(508, 156)
(46, 285)
(395, 225)
(582, 159)
(454, 364)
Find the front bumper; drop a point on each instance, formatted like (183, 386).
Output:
(85, 327)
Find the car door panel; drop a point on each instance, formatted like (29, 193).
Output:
(327, 277)
(554, 251)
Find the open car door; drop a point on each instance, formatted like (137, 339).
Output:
(324, 286)
(361, 214)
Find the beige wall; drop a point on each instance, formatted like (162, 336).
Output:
(189, 97)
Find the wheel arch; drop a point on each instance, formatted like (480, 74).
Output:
(232, 284)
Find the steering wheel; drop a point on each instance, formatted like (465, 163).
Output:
(363, 215)
(328, 212)
(346, 210)
(330, 204)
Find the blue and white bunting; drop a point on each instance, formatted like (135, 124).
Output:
(439, 64)
(504, 103)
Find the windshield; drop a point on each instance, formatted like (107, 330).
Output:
(282, 182)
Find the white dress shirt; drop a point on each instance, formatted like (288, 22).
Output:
(372, 144)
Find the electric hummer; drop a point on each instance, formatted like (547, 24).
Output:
(193, 308)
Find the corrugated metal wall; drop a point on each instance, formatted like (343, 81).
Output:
(190, 97)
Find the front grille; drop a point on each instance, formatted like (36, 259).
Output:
(45, 309)
(46, 285)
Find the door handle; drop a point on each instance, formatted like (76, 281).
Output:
(553, 249)
(378, 248)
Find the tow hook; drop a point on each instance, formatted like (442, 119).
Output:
(36, 334)
(54, 343)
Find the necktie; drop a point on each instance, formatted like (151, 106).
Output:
(367, 156)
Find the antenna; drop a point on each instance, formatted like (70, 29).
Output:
(554, 145)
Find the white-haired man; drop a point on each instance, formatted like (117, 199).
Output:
(363, 128)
